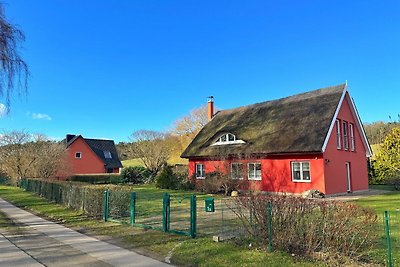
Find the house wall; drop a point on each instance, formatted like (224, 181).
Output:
(89, 163)
(335, 168)
(276, 173)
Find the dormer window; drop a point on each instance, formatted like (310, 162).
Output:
(107, 154)
(227, 139)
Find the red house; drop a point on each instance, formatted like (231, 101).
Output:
(92, 156)
(313, 140)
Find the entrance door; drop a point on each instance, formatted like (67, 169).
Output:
(348, 177)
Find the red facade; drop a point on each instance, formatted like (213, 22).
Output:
(83, 160)
(333, 171)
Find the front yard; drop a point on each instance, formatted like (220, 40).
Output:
(187, 252)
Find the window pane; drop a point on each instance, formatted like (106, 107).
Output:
(223, 138)
(306, 166)
(296, 166)
(296, 175)
(199, 170)
(231, 137)
(306, 175)
(258, 171)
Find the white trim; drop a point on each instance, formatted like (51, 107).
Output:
(358, 123)
(217, 141)
(248, 172)
(338, 134)
(301, 171)
(348, 176)
(361, 129)
(203, 171)
(237, 178)
(333, 122)
(352, 140)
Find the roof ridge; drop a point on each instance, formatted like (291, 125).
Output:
(285, 98)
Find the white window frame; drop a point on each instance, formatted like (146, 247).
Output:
(345, 135)
(338, 135)
(352, 140)
(80, 155)
(202, 171)
(225, 136)
(302, 180)
(107, 153)
(254, 171)
(237, 164)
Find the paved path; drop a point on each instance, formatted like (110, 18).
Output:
(45, 243)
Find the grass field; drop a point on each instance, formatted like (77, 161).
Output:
(381, 203)
(137, 162)
(190, 252)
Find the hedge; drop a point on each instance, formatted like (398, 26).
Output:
(96, 178)
(78, 196)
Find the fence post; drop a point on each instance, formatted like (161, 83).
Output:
(269, 227)
(106, 204)
(193, 216)
(133, 207)
(166, 212)
(388, 241)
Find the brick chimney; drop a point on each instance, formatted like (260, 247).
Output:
(210, 107)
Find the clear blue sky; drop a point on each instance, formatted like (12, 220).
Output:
(107, 68)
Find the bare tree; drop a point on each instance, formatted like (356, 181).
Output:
(187, 127)
(151, 148)
(24, 155)
(13, 70)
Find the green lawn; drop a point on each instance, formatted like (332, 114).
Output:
(190, 252)
(381, 203)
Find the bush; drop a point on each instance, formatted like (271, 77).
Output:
(217, 182)
(167, 179)
(96, 178)
(308, 227)
(135, 175)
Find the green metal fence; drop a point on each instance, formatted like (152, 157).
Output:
(170, 214)
(391, 237)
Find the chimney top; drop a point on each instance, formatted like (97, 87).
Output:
(69, 137)
(210, 99)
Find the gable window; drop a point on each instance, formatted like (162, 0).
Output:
(345, 136)
(301, 171)
(226, 139)
(237, 171)
(200, 171)
(352, 141)
(254, 171)
(107, 154)
(338, 135)
(78, 155)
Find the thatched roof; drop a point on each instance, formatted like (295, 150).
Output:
(295, 124)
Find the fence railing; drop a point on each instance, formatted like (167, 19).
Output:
(171, 214)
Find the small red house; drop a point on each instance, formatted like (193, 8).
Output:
(92, 156)
(313, 140)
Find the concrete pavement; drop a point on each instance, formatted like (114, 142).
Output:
(45, 243)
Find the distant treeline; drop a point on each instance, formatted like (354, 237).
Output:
(377, 131)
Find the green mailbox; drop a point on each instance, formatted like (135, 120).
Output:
(209, 204)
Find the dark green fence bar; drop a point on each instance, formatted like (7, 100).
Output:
(166, 211)
(106, 205)
(269, 222)
(388, 241)
(193, 216)
(133, 208)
